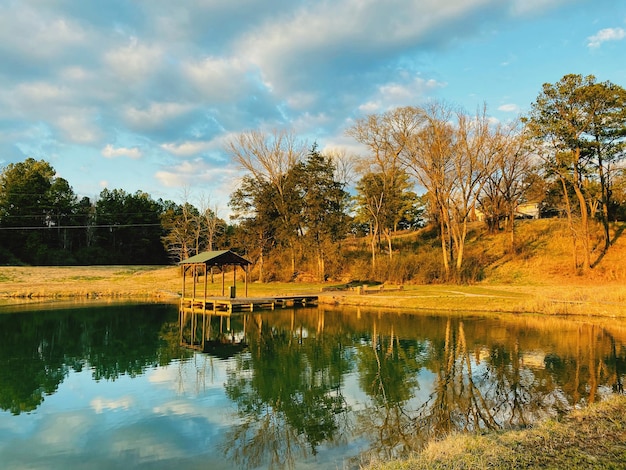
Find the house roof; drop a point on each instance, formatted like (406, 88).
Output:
(217, 258)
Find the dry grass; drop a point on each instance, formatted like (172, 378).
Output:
(592, 438)
(538, 278)
(165, 283)
(88, 282)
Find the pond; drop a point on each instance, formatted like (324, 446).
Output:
(142, 386)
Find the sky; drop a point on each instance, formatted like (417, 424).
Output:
(146, 94)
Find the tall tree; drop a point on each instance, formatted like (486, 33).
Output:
(473, 162)
(385, 135)
(429, 157)
(579, 126)
(324, 203)
(211, 224)
(451, 155)
(510, 179)
(253, 208)
(129, 228)
(383, 210)
(606, 140)
(268, 159)
(33, 200)
(181, 225)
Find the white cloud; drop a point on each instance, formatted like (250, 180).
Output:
(186, 149)
(509, 108)
(407, 90)
(112, 152)
(41, 92)
(134, 62)
(348, 35)
(156, 115)
(77, 126)
(32, 33)
(171, 179)
(604, 35)
(217, 78)
(101, 404)
(218, 180)
(197, 170)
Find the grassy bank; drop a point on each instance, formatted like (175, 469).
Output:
(592, 438)
(150, 282)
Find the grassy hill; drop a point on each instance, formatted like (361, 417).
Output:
(542, 255)
(538, 276)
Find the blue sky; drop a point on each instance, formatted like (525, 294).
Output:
(144, 94)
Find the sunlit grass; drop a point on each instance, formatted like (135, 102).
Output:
(592, 438)
(166, 282)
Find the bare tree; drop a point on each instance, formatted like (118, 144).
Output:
(183, 229)
(210, 222)
(268, 159)
(507, 184)
(386, 135)
(429, 157)
(473, 162)
(451, 156)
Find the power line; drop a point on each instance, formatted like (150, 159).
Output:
(57, 227)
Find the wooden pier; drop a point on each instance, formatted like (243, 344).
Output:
(244, 304)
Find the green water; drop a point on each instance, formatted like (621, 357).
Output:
(140, 386)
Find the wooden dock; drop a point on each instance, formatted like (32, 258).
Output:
(244, 304)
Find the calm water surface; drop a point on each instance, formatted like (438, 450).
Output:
(140, 386)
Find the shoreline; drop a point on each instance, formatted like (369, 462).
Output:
(159, 283)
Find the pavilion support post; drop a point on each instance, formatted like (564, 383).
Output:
(235, 279)
(223, 292)
(206, 285)
(245, 271)
(195, 279)
(184, 274)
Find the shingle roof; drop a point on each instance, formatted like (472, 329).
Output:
(217, 258)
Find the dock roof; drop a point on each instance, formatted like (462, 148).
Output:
(216, 258)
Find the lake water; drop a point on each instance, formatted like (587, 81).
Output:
(139, 386)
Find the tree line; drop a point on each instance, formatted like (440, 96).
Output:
(43, 222)
(297, 209)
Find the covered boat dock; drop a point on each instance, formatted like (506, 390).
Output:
(197, 298)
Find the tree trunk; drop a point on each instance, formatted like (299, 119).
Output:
(461, 247)
(605, 200)
(584, 214)
(389, 245)
(321, 266)
(373, 244)
(570, 222)
(444, 246)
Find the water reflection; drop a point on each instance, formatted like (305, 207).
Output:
(307, 386)
(424, 377)
(38, 349)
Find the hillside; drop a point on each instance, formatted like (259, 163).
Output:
(537, 277)
(542, 255)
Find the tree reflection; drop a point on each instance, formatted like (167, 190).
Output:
(479, 382)
(288, 394)
(39, 349)
(440, 375)
(388, 373)
(308, 378)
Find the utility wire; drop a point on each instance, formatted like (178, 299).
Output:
(52, 227)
